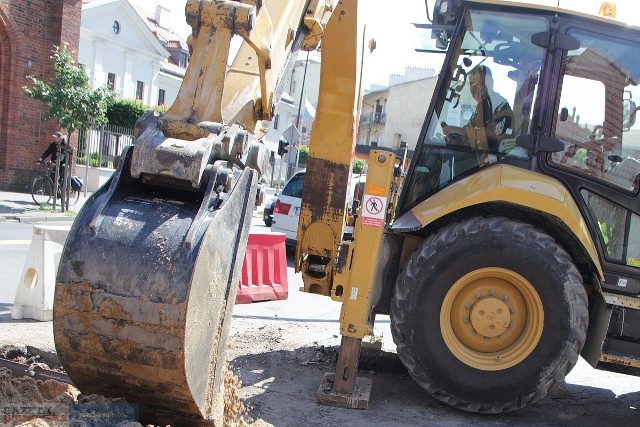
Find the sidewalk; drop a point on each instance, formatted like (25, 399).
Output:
(21, 207)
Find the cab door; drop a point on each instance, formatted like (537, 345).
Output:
(594, 116)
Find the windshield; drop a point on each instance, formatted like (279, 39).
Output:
(491, 82)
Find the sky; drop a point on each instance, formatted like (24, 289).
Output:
(390, 23)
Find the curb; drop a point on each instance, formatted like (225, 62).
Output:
(24, 219)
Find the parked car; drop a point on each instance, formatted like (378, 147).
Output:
(286, 211)
(267, 215)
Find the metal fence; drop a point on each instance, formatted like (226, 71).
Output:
(98, 147)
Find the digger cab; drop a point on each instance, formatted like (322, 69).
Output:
(559, 99)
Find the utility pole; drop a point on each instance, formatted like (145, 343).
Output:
(304, 78)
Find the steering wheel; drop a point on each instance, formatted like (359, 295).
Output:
(453, 138)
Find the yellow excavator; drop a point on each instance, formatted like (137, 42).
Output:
(510, 246)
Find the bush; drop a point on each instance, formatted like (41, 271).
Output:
(125, 112)
(303, 154)
(93, 161)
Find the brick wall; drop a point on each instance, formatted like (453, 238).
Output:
(28, 31)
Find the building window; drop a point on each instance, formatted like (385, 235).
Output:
(161, 94)
(184, 59)
(116, 27)
(275, 121)
(139, 90)
(111, 81)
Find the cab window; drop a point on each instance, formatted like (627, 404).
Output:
(596, 112)
(619, 229)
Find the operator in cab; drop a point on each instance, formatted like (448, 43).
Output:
(492, 119)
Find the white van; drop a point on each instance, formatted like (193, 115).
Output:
(286, 211)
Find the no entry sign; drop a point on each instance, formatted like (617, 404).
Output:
(373, 210)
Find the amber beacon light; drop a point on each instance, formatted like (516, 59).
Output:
(608, 9)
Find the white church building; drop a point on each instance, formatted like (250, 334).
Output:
(132, 50)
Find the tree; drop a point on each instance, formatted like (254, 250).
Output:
(69, 97)
(358, 165)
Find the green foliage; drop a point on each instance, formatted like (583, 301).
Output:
(580, 158)
(93, 160)
(161, 108)
(69, 97)
(125, 112)
(358, 165)
(303, 154)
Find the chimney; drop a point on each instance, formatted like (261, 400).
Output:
(163, 17)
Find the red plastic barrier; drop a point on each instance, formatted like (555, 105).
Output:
(264, 272)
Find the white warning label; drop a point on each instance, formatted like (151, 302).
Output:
(373, 210)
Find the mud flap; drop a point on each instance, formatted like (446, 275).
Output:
(145, 293)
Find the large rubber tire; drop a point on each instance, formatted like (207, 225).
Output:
(489, 314)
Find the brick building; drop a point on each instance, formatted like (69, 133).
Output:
(28, 32)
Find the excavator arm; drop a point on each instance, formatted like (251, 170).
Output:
(148, 275)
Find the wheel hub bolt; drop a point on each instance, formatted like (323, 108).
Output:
(501, 336)
(477, 295)
(485, 339)
(465, 320)
(512, 310)
(505, 298)
(473, 332)
(467, 306)
(492, 292)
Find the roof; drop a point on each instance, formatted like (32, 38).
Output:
(167, 36)
(97, 10)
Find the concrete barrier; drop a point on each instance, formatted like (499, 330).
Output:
(34, 297)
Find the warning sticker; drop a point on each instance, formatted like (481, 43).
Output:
(373, 210)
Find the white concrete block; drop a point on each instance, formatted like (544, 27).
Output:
(34, 297)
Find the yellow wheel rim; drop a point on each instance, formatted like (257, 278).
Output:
(492, 319)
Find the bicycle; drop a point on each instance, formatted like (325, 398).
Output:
(42, 188)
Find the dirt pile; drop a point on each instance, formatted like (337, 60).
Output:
(33, 403)
(31, 356)
(29, 402)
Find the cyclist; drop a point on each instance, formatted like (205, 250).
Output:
(60, 140)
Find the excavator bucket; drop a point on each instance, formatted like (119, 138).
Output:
(145, 292)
